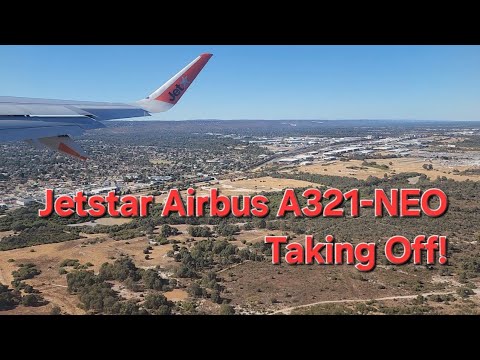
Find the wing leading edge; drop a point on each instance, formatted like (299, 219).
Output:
(48, 123)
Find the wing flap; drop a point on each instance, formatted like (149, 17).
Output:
(113, 112)
(61, 143)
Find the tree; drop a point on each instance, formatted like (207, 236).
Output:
(18, 226)
(195, 290)
(33, 300)
(226, 229)
(121, 269)
(78, 280)
(99, 297)
(132, 285)
(260, 223)
(152, 280)
(26, 271)
(226, 309)
(168, 230)
(158, 304)
(184, 271)
(199, 231)
(128, 307)
(161, 240)
(56, 310)
(3, 288)
(8, 299)
(248, 226)
(465, 292)
(163, 310)
(215, 297)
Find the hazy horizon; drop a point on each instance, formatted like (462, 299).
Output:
(251, 82)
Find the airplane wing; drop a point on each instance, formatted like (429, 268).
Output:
(50, 123)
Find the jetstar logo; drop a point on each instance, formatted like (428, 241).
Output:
(179, 89)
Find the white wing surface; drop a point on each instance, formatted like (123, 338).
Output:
(50, 123)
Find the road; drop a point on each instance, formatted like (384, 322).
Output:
(298, 151)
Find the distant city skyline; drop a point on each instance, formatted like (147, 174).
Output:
(260, 82)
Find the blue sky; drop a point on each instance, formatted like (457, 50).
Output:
(260, 82)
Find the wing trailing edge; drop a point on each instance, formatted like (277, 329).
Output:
(62, 143)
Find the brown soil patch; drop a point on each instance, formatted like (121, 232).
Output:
(176, 295)
(112, 221)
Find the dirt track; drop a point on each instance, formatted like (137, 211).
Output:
(288, 310)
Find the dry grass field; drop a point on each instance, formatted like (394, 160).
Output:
(48, 258)
(252, 186)
(246, 187)
(257, 286)
(354, 168)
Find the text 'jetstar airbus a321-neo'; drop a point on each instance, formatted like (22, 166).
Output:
(49, 123)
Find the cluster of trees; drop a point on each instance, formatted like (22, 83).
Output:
(25, 271)
(36, 234)
(199, 231)
(96, 293)
(74, 263)
(226, 229)
(208, 253)
(207, 287)
(469, 264)
(31, 230)
(33, 300)
(27, 217)
(470, 142)
(227, 309)
(120, 270)
(125, 270)
(469, 172)
(97, 296)
(157, 304)
(167, 230)
(366, 308)
(127, 231)
(145, 226)
(374, 164)
(10, 298)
